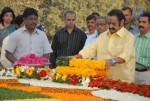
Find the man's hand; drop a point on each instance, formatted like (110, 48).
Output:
(109, 63)
(78, 56)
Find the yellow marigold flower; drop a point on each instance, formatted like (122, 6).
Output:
(18, 70)
(64, 77)
(29, 71)
(40, 69)
(58, 76)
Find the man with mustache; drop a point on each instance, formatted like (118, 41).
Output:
(91, 33)
(116, 46)
(127, 11)
(142, 47)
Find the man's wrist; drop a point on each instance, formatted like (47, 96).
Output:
(113, 61)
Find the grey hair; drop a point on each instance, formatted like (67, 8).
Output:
(101, 17)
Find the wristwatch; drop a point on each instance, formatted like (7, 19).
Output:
(114, 61)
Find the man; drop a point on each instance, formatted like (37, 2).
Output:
(142, 47)
(69, 40)
(101, 24)
(128, 22)
(18, 24)
(28, 39)
(116, 46)
(91, 33)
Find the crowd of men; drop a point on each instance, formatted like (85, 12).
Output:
(124, 46)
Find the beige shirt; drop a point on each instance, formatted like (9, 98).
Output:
(107, 46)
(22, 43)
(4, 61)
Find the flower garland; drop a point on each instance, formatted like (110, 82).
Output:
(79, 71)
(31, 72)
(87, 63)
(102, 83)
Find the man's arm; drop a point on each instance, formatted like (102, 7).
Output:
(113, 61)
(10, 57)
(127, 52)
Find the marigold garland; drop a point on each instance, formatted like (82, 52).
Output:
(87, 63)
(75, 71)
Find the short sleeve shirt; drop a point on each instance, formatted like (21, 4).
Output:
(22, 43)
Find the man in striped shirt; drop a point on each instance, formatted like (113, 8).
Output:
(142, 47)
(69, 40)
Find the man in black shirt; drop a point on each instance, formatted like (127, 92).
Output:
(69, 40)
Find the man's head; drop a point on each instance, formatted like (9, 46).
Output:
(30, 17)
(19, 21)
(70, 18)
(91, 22)
(101, 24)
(95, 14)
(127, 11)
(115, 20)
(144, 23)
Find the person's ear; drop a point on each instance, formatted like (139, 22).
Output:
(122, 22)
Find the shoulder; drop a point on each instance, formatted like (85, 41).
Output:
(1, 26)
(61, 30)
(41, 33)
(128, 35)
(79, 30)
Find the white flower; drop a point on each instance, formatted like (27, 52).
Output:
(53, 72)
(2, 72)
(85, 81)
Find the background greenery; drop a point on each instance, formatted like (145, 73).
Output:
(51, 11)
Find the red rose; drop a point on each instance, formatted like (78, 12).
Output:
(135, 89)
(43, 73)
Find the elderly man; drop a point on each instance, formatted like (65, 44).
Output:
(101, 24)
(116, 46)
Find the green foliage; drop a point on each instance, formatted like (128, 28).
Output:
(63, 61)
(9, 94)
(51, 11)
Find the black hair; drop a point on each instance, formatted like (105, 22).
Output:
(4, 11)
(95, 14)
(127, 8)
(118, 13)
(146, 14)
(90, 17)
(29, 11)
(19, 20)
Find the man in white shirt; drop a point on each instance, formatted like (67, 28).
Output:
(28, 39)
